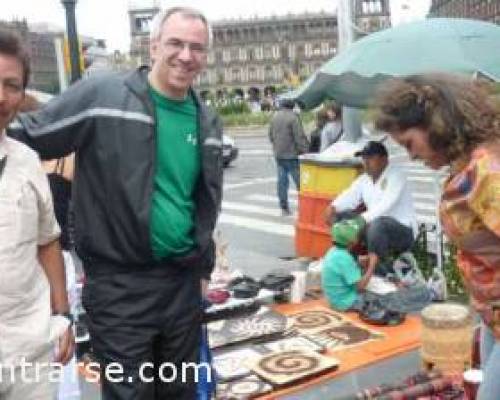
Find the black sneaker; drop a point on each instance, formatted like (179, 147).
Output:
(285, 212)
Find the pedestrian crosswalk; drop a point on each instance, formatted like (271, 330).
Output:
(259, 212)
(283, 228)
(292, 198)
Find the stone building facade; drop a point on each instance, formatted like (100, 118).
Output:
(261, 54)
(486, 10)
(371, 16)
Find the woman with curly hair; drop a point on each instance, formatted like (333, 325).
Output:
(449, 121)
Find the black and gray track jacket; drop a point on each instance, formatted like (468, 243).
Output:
(110, 122)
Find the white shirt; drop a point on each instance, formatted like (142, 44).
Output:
(27, 221)
(389, 196)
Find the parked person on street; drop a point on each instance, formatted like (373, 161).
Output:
(147, 191)
(332, 131)
(315, 136)
(343, 279)
(449, 121)
(390, 214)
(32, 284)
(289, 141)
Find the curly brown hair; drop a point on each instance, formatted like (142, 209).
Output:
(459, 114)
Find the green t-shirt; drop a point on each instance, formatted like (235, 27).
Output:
(339, 277)
(177, 171)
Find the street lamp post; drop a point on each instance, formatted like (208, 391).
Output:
(74, 53)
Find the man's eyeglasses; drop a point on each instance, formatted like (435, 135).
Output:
(179, 45)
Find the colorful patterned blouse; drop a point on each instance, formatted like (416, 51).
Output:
(470, 215)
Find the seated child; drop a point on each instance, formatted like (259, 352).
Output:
(342, 279)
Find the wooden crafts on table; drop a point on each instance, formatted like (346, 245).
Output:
(281, 368)
(312, 320)
(261, 324)
(332, 330)
(291, 343)
(244, 388)
(231, 365)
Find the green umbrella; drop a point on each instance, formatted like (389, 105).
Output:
(433, 45)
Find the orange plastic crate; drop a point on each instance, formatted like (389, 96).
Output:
(311, 208)
(311, 241)
(312, 235)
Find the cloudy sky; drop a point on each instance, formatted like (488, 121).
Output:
(108, 19)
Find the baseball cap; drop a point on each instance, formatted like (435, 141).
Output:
(347, 231)
(372, 148)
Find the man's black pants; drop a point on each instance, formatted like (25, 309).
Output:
(384, 235)
(148, 321)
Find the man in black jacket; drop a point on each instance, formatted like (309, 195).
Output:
(147, 192)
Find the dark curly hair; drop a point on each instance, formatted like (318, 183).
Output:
(11, 45)
(459, 114)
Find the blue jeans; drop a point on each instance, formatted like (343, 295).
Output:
(285, 167)
(490, 364)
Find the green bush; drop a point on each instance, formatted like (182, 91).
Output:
(452, 273)
(246, 119)
(427, 262)
(234, 107)
(259, 118)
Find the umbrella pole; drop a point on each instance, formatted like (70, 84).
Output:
(351, 122)
(350, 116)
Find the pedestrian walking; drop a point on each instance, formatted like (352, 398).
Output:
(289, 141)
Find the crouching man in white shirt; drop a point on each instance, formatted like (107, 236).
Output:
(390, 214)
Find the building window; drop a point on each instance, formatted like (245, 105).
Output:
(236, 75)
(276, 52)
(268, 73)
(204, 78)
(259, 53)
(243, 54)
(219, 56)
(277, 73)
(210, 57)
(226, 55)
(252, 74)
(325, 48)
(268, 53)
(308, 49)
(300, 50)
(316, 50)
(284, 52)
(235, 54)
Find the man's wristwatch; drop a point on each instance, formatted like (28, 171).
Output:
(66, 315)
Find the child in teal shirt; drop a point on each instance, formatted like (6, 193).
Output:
(342, 278)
